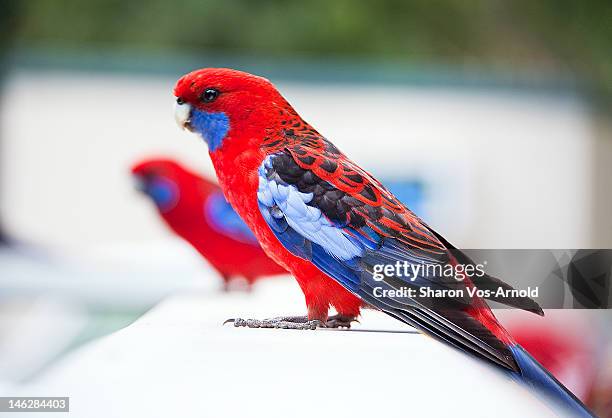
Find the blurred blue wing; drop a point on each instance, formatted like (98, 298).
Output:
(223, 219)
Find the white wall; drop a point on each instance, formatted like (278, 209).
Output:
(505, 170)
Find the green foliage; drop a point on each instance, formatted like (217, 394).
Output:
(562, 36)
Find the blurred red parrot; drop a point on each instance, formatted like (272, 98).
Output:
(195, 209)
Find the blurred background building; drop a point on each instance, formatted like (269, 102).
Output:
(490, 119)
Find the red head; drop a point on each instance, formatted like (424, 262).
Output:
(222, 105)
(167, 183)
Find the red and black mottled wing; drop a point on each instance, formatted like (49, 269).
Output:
(365, 201)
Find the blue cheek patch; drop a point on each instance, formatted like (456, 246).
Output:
(164, 193)
(212, 126)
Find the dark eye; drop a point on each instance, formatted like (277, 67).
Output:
(209, 95)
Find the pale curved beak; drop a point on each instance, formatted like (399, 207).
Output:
(182, 115)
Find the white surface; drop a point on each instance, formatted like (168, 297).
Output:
(495, 163)
(178, 360)
(34, 332)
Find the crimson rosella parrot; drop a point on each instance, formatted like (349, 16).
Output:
(196, 210)
(330, 223)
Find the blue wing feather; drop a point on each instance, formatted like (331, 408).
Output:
(305, 231)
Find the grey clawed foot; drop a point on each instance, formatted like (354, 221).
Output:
(284, 322)
(294, 322)
(340, 321)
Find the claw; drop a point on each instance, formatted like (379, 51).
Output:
(339, 321)
(239, 322)
(230, 320)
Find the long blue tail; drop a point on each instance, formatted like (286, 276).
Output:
(534, 375)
